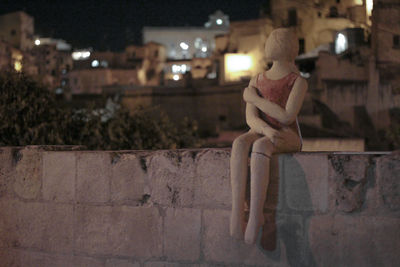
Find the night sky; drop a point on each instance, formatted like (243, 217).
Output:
(111, 24)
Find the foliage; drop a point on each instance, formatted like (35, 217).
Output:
(31, 115)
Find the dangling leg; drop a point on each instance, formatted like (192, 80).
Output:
(259, 169)
(239, 157)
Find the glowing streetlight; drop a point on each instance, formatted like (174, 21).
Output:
(219, 21)
(175, 77)
(95, 63)
(37, 42)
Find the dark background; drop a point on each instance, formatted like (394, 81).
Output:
(112, 24)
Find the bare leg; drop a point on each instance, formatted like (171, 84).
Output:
(239, 158)
(259, 169)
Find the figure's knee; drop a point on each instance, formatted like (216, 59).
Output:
(263, 146)
(240, 144)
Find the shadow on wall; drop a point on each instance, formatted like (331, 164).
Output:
(287, 210)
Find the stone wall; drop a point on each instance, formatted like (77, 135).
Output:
(65, 207)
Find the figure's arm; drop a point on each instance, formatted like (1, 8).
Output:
(285, 116)
(257, 124)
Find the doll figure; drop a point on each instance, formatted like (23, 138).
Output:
(273, 100)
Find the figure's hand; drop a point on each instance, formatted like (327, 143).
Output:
(272, 134)
(248, 92)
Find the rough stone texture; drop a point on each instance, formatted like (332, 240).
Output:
(36, 225)
(388, 176)
(213, 179)
(21, 258)
(306, 182)
(93, 177)
(28, 177)
(121, 263)
(59, 171)
(6, 176)
(128, 179)
(221, 248)
(171, 177)
(355, 240)
(350, 178)
(169, 264)
(171, 208)
(323, 238)
(182, 234)
(121, 231)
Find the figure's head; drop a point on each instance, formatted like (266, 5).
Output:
(282, 44)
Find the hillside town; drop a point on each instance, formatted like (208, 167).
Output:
(349, 54)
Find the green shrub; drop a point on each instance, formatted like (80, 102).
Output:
(31, 115)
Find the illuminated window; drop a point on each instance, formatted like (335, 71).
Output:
(184, 46)
(237, 66)
(370, 6)
(198, 42)
(176, 68)
(80, 55)
(18, 66)
(340, 43)
(238, 62)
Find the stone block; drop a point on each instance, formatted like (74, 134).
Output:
(121, 263)
(388, 180)
(128, 179)
(171, 176)
(182, 234)
(168, 264)
(323, 239)
(343, 240)
(348, 177)
(368, 241)
(119, 231)
(306, 182)
(212, 183)
(36, 225)
(93, 177)
(28, 175)
(219, 247)
(22, 258)
(59, 169)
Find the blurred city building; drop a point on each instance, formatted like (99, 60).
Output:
(53, 60)
(349, 54)
(16, 42)
(17, 29)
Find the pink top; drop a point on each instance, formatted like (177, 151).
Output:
(276, 91)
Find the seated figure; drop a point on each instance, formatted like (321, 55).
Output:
(273, 100)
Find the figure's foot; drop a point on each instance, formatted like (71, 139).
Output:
(252, 230)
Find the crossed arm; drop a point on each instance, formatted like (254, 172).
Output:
(285, 116)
